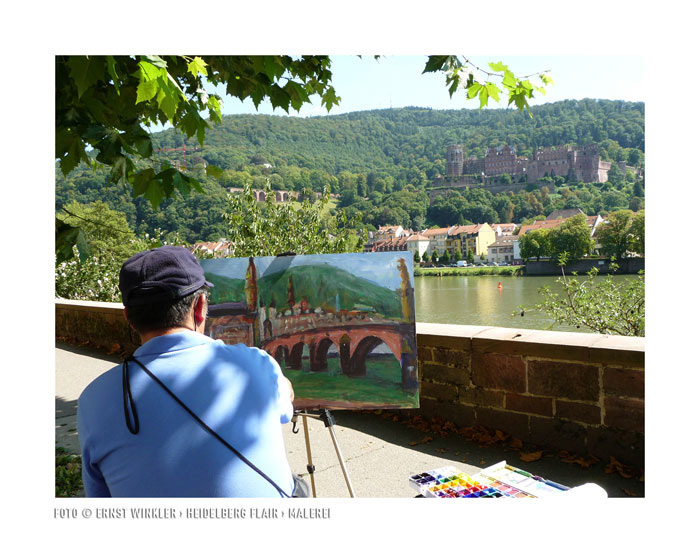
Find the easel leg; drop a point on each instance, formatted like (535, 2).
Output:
(310, 467)
(327, 419)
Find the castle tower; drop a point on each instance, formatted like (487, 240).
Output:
(251, 285)
(455, 160)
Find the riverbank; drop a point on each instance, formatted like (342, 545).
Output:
(469, 271)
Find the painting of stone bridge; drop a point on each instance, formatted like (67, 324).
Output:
(341, 326)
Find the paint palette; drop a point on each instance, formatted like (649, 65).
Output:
(499, 480)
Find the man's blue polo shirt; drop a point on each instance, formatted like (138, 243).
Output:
(236, 390)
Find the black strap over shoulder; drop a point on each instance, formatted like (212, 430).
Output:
(133, 426)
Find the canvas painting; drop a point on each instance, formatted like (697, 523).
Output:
(341, 326)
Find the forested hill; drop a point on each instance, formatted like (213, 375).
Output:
(382, 163)
(392, 139)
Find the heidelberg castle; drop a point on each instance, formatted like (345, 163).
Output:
(582, 163)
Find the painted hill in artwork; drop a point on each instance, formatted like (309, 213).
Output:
(226, 289)
(320, 285)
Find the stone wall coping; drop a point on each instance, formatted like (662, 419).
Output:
(462, 333)
(81, 305)
(521, 338)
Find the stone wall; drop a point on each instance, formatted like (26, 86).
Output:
(627, 266)
(99, 323)
(583, 393)
(577, 392)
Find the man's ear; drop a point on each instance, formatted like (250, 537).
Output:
(200, 309)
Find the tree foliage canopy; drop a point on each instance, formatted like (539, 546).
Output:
(599, 304)
(622, 232)
(105, 105)
(572, 238)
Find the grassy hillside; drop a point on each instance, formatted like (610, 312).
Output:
(318, 285)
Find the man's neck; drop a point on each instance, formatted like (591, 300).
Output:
(155, 333)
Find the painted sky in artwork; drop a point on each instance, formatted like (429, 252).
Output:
(379, 267)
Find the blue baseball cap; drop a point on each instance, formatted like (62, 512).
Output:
(165, 273)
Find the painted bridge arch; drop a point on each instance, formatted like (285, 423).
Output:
(353, 346)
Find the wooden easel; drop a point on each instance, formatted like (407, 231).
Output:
(327, 418)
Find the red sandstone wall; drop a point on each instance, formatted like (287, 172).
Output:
(578, 392)
(582, 393)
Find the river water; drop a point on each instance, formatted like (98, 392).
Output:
(477, 300)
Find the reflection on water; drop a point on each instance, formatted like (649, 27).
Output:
(478, 300)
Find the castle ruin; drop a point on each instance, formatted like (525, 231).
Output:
(582, 163)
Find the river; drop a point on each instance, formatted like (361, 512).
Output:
(477, 300)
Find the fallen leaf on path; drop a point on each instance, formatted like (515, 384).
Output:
(113, 349)
(616, 466)
(581, 461)
(530, 457)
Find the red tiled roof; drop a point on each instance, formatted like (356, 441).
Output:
(466, 229)
(553, 223)
(435, 231)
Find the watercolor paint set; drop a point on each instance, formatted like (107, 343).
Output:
(500, 480)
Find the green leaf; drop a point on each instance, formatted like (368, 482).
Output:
(66, 237)
(473, 90)
(149, 71)
(181, 183)
(141, 179)
(196, 66)
(146, 90)
(73, 154)
(509, 80)
(167, 101)
(214, 108)
(214, 171)
(273, 68)
(498, 66)
(483, 97)
(279, 98)
(329, 99)
(156, 61)
(111, 69)
(86, 71)
(435, 63)
(143, 146)
(149, 84)
(154, 193)
(493, 91)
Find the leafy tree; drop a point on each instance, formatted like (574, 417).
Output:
(434, 256)
(637, 233)
(614, 200)
(105, 104)
(470, 256)
(445, 258)
(107, 231)
(416, 257)
(270, 228)
(615, 175)
(111, 242)
(536, 243)
(572, 238)
(604, 306)
(425, 256)
(614, 234)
